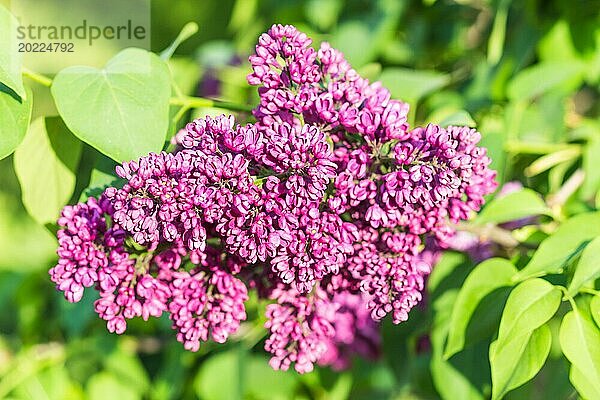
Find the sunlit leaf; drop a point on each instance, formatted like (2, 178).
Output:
(595, 309)
(459, 118)
(530, 305)
(540, 78)
(11, 60)
(411, 85)
(588, 267)
(14, 121)
(45, 163)
(105, 385)
(580, 342)
(513, 206)
(121, 110)
(485, 278)
(518, 360)
(557, 249)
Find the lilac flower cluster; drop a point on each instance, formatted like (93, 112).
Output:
(323, 206)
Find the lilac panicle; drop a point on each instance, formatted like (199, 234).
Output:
(329, 206)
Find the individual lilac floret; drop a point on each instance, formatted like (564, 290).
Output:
(300, 328)
(206, 304)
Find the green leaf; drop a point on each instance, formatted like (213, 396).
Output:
(121, 110)
(185, 73)
(442, 371)
(45, 164)
(245, 375)
(105, 385)
(519, 360)
(591, 166)
(595, 309)
(52, 383)
(102, 176)
(498, 34)
(186, 32)
(485, 278)
(128, 368)
(459, 118)
(513, 206)
(353, 39)
(556, 250)
(585, 388)
(530, 305)
(540, 78)
(257, 371)
(548, 161)
(14, 120)
(580, 342)
(11, 60)
(411, 85)
(588, 267)
(221, 368)
(448, 262)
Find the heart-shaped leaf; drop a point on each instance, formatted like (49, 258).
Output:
(45, 164)
(11, 61)
(121, 110)
(14, 120)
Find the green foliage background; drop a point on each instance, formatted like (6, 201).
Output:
(521, 326)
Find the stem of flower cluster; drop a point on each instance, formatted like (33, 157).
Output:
(591, 291)
(199, 102)
(186, 102)
(39, 78)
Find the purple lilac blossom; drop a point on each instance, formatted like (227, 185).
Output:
(326, 206)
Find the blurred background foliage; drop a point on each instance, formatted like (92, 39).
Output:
(527, 73)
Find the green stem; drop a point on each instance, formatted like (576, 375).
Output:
(39, 78)
(515, 146)
(567, 296)
(200, 102)
(184, 101)
(498, 35)
(590, 291)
